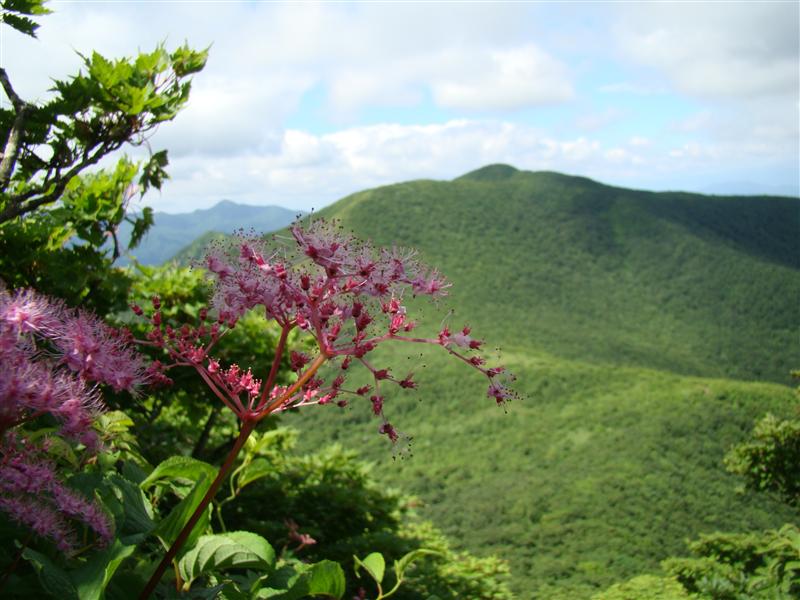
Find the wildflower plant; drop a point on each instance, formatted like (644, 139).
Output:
(344, 294)
(53, 358)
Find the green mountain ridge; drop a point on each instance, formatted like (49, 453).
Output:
(688, 283)
(647, 330)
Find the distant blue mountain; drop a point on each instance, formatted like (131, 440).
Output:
(173, 232)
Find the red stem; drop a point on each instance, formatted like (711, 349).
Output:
(276, 363)
(244, 433)
(309, 373)
(217, 391)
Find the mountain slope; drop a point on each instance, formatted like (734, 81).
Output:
(689, 283)
(595, 476)
(173, 232)
(620, 311)
(608, 303)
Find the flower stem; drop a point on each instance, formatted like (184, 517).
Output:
(308, 374)
(276, 363)
(244, 433)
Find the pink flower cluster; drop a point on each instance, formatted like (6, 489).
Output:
(344, 293)
(50, 356)
(33, 495)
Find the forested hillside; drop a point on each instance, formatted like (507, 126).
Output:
(620, 311)
(695, 284)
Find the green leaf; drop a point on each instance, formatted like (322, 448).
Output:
(236, 550)
(179, 468)
(138, 514)
(168, 530)
(140, 226)
(186, 61)
(326, 578)
(137, 97)
(401, 565)
(374, 564)
(154, 173)
(114, 422)
(21, 24)
(93, 577)
(255, 544)
(293, 582)
(54, 580)
(26, 7)
(260, 467)
(62, 450)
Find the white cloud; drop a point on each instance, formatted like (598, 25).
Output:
(279, 74)
(745, 49)
(505, 79)
(307, 171)
(476, 57)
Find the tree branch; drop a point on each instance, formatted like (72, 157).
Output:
(18, 102)
(16, 206)
(11, 149)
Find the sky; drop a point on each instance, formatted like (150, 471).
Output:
(303, 103)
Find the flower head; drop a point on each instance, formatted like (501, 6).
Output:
(343, 293)
(51, 355)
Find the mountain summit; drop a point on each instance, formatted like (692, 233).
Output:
(494, 172)
(703, 285)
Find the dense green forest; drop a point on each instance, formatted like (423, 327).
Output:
(201, 432)
(637, 323)
(699, 285)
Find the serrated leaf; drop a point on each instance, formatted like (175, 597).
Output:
(133, 472)
(27, 7)
(235, 550)
(186, 61)
(153, 173)
(138, 513)
(255, 543)
(63, 450)
(21, 24)
(140, 226)
(374, 564)
(114, 422)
